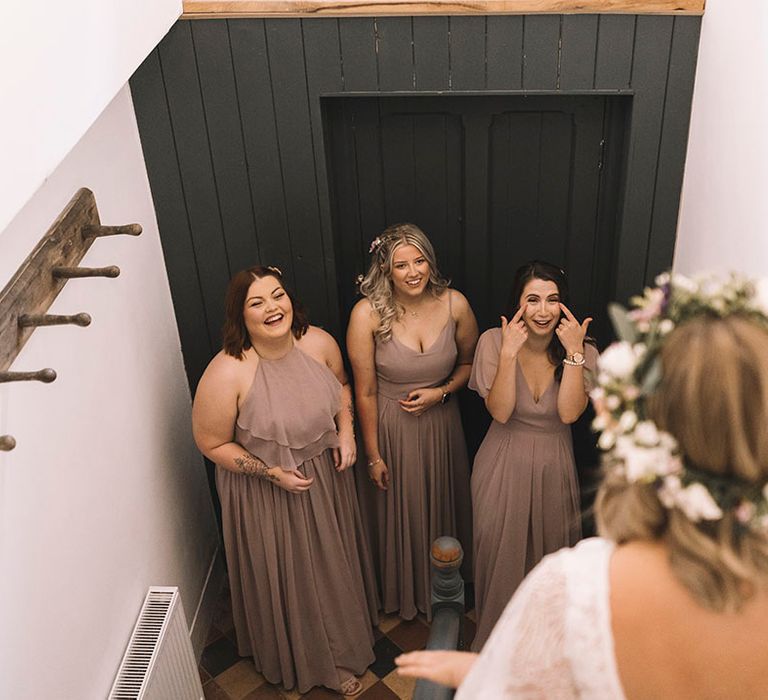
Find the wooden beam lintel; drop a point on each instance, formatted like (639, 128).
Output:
(207, 9)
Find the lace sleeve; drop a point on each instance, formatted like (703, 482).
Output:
(525, 655)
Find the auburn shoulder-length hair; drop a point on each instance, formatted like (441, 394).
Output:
(235, 338)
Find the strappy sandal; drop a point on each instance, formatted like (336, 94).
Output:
(351, 687)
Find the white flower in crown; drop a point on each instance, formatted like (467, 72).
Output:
(667, 441)
(642, 463)
(601, 421)
(666, 326)
(670, 490)
(684, 284)
(760, 300)
(652, 304)
(618, 361)
(606, 440)
(627, 421)
(647, 434)
(697, 503)
(711, 286)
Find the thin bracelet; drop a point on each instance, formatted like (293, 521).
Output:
(374, 462)
(571, 363)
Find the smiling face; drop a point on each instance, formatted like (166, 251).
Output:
(410, 271)
(541, 299)
(267, 311)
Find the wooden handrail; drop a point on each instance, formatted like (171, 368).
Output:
(206, 9)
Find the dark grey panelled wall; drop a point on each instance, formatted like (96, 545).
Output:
(231, 124)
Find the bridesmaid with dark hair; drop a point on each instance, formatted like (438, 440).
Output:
(525, 497)
(274, 412)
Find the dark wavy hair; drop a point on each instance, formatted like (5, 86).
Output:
(540, 270)
(234, 334)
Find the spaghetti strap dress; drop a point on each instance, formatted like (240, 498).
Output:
(525, 495)
(303, 589)
(428, 494)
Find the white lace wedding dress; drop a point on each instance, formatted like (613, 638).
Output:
(554, 639)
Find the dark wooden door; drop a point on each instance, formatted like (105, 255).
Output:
(494, 181)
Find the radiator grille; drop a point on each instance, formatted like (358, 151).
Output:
(159, 663)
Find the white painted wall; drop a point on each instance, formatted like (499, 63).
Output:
(105, 493)
(723, 222)
(61, 63)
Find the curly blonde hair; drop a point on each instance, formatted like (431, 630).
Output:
(713, 398)
(376, 285)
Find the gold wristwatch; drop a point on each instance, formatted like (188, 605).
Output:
(575, 360)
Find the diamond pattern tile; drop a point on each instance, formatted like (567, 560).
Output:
(227, 676)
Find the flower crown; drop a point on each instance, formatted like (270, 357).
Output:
(380, 241)
(630, 370)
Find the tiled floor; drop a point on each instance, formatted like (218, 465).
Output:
(227, 676)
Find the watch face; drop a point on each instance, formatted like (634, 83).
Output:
(577, 357)
(446, 396)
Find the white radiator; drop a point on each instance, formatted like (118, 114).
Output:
(159, 663)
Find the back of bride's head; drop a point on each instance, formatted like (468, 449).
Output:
(703, 490)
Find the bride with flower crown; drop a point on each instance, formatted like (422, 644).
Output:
(672, 600)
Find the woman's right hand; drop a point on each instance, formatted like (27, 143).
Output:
(293, 481)
(513, 334)
(379, 474)
(448, 668)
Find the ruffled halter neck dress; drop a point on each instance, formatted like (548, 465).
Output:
(429, 494)
(302, 585)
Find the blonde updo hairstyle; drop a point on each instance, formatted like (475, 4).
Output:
(713, 398)
(376, 285)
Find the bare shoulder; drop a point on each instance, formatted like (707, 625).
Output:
(363, 315)
(317, 339)
(224, 368)
(460, 307)
(226, 376)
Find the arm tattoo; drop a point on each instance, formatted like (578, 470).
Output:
(253, 466)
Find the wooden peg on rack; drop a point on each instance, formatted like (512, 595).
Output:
(35, 320)
(7, 443)
(46, 375)
(74, 272)
(100, 231)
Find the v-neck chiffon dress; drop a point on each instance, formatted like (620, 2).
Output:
(301, 578)
(428, 494)
(525, 496)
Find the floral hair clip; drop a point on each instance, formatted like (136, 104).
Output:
(379, 241)
(376, 243)
(630, 370)
(276, 270)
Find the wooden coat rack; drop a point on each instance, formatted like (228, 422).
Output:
(27, 297)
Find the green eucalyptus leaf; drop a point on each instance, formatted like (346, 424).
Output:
(623, 326)
(652, 377)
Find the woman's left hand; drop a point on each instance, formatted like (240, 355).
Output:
(420, 400)
(345, 454)
(570, 332)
